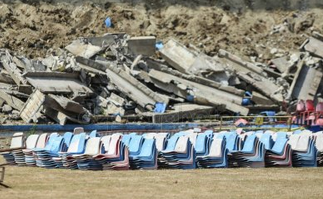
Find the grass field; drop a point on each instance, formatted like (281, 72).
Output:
(32, 183)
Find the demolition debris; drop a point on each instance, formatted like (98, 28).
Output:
(121, 78)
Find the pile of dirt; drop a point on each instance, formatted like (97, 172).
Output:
(34, 28)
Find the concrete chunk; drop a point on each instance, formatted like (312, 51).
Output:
(203, 95)
(55, 82)
(33, 107)
(236, 63)
(306, 83)
(128, 85)
(263, 85)
(12, 68)
(314, 46)
(142, 45)
(80, 48)
(11, 100)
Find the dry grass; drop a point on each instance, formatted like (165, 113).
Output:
(214, 183)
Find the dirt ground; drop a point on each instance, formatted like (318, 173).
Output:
(33, 29)
(33, 183)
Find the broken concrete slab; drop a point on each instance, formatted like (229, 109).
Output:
(105, 40)
(188, 61)
(234, 62)
(198, 79)
(144, 45)
(263, 85)
(317, 35)
(11, 100)
(67, 104)
(11, 68)
(31, 111)
(259, 99)
(128, 85)
(115, 106)
(29, 65)
(281, 64)
(56, 82)
(54, 108)
(79, 47)
(201, 94)
(306, 83)
(6, 109)
(60, 117)
(6, 78)
(313, 46)
(178, 56)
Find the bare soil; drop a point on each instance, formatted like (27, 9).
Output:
(33, 183)
(32, 29)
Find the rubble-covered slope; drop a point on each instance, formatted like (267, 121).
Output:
(157, 63)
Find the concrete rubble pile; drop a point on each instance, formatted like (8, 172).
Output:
(121, 78)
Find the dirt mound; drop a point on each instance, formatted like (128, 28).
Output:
(33, 29)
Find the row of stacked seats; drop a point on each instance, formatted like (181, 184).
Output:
(182, 150)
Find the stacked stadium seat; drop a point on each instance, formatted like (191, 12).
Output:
(85, 161)
(179, 153)
(115, 154)
(252, 154)
(304, 150)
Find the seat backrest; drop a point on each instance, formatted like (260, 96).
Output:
(114, 144)
(231, 143)
(105, 140)
(126, 139)
(309, 105)
(149, 135)
(78, 130)
(56, 145)
(319, 142)
(192, 137)
(293, 139)
(216, 148)
(32, 141)
(135, 143)
(41, 143)
(160, 141)
(94, 134)
(303, 143)
(301, 107)
(77, 144)
(17, 141)
(279, 145)
(266, 139)
(181, 145)
(249, 144)
(51, 140)
(171, 143)
(319, 107)
(68, 138)
(148, 148)
(93, 146)
(200, 145)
